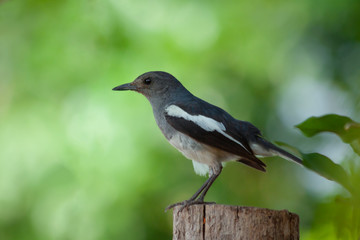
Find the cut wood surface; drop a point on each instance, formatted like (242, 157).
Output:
(224, 222)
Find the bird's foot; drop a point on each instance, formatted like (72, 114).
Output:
(186, 203)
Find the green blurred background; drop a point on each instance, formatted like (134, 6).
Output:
(79, 161)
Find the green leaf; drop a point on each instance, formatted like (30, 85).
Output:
(347, 129)
(326, 168)
(323, 166)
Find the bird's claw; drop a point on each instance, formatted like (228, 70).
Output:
(186, 203)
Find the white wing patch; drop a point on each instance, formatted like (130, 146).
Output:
(206, 123)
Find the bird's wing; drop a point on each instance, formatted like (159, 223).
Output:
(211, 131)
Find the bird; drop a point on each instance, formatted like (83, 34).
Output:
(202, 132)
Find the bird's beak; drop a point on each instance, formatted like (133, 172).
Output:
(127, 86)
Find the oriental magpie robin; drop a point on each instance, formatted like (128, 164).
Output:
(202, 132)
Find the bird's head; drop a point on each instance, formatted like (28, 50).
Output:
(152, 84)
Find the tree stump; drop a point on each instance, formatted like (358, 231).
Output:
(223, 222)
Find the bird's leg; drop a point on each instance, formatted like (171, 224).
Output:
(192, 199)
(212, 180)
(199, 190)
(214, 173)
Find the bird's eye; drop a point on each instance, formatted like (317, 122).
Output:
(147, 81)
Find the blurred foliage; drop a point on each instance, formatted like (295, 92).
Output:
(78, 161)
(346, 209)
(344, 127)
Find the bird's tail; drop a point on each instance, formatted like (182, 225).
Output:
(264, 148)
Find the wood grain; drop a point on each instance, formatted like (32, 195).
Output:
(233, 222)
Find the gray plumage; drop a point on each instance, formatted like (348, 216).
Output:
(202, 132)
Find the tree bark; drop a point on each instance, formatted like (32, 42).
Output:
(233, 222)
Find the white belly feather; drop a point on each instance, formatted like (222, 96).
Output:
(202, 155)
